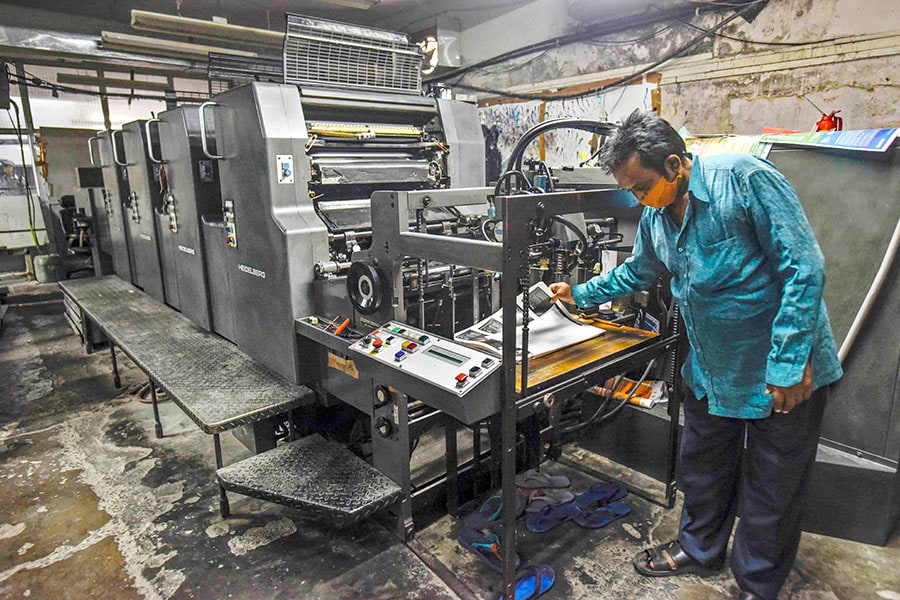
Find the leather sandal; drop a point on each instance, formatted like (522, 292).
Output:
(669, 560)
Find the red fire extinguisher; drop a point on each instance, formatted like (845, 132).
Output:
(830, 122)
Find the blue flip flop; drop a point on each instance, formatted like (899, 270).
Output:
(539, 499)
(602, 516)
(489, 513)
(487, 547)
(599, 494)
(550, 516)
(534, 479)
(533, 581)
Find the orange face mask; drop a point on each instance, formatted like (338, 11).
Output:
(662, 193)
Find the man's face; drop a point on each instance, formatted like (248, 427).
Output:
(634, 177)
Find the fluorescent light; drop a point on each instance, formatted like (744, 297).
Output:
(131, 43)
(150, 21)
(361, 4)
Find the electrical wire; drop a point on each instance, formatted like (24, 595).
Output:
(32, 81)
(758, 42)
(28, 196)
(621, 81)
(604, 28)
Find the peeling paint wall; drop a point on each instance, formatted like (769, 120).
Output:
(864, 89)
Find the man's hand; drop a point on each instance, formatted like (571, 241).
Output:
(562, 291)
(786, 398)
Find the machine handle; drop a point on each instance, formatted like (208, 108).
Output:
(203, 142)
(91, 150)
(149, 140)
(115, 153)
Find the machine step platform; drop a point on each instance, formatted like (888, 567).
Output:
(215, 384)
(316, 477)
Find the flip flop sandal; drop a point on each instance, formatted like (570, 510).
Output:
(533, 581)
(551, 516)
(487, 547)
(602, 516)
(669, 560)
(489, 513)
(539, 499)
(599, 494)
(534, 479)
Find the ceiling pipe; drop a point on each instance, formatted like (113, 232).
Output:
(123, 41)
(174, 25)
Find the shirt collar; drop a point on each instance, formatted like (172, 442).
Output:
(697, 185)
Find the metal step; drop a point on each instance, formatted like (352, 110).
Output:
(315, 476)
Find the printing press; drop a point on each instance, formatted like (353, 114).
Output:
(350, 218)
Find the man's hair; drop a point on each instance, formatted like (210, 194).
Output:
(647, 134)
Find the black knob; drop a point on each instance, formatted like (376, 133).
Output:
(382, 396)
(384, 427)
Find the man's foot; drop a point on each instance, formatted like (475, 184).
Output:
(669, 560)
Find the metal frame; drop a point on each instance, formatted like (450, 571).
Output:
(519, 214)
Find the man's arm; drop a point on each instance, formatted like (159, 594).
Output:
(639, 272)
(787, 239)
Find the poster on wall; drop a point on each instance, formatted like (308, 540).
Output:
(504, 124)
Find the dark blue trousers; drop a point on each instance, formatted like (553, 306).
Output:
(765, 464)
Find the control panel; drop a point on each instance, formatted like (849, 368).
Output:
(438, 361)
(135, 213)
(228, 218)
(169, 210)
(285, 168)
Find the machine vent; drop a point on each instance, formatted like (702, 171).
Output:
(339, 54)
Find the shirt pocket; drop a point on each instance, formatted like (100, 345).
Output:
(717, 265)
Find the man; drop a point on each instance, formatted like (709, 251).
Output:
(10, 182)
(748, 276)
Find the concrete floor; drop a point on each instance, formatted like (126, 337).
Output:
(94, 506)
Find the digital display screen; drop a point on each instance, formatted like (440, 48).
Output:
(447, 356)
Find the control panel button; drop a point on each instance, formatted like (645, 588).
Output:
(377, 343)
(399, 355)
(409, 346)
(486, 363)
(423, 338)
(461, 379)
(474, 372)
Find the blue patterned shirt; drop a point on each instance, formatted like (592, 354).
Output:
(747, 273)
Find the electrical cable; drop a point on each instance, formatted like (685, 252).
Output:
(582, 239)
(874, 290)
(28, 197)
(36, 82)
(604, 28)
(600, 409)
(589, 125)
(758, 42)
(621, 81)
(627, 399)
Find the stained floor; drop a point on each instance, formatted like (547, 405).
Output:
(94, 506)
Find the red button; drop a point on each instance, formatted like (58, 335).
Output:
(461, 378)
(377, 344)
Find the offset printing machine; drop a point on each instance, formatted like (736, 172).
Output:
(189, 184)
(110, 158)
(144, 201)
(351, 218)
(297, 165)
